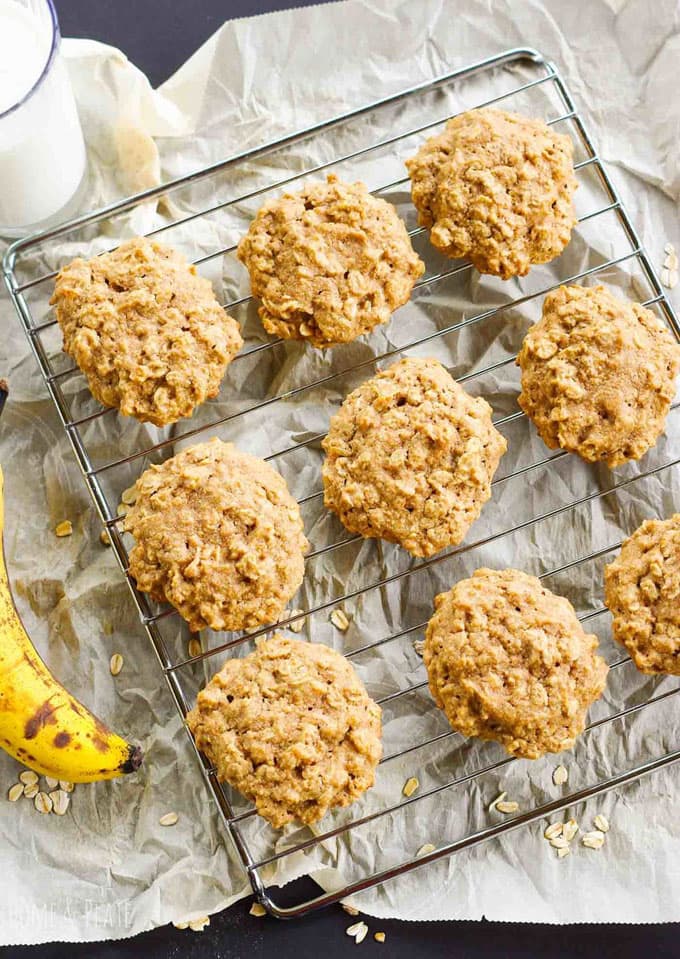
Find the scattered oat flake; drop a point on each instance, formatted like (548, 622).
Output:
(31, 791)
(122, 509)
(499, 798)
(305, 329)
(601, 823)
(65, 528)
(168, 819)
(116, 664)
(350, 910)
(559, 842)
(561, 853)
(669, 248)
(410, 786)
(181, 925)
(60, 802)
(593, 840)
(198, 925)
(195, 647)
(257, 910)
(560, 776)
(671, 262)
(66, 785)
(296, 627)
(43, 803)
(51, 782)
(339, 620)
(354, 928)
(669, 279)
(129, 496)
(570, 829)
(592, 843)
(361, 935)
(507, 807)
(427, 848)
(15, 792)
(104, 538)
(28, 777)
(553, 830)
(379, 936)
(419, 646)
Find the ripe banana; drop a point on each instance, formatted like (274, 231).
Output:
(41, 724)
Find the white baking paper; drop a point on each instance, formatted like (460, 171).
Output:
(108, 869)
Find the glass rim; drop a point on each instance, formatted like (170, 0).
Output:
(48, 63)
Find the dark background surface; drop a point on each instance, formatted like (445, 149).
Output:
(158, 35)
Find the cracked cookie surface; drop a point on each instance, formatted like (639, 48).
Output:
(145, 329)
(496, 188)
(292, 727)
(329, 263)
(642, 591)
(217, 535)
(598, 375)
(508, 660)
(410, 457)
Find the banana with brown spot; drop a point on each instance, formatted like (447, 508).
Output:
(41, 724)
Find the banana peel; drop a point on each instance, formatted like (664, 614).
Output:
(41, 724)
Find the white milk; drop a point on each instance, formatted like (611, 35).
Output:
(42, 154)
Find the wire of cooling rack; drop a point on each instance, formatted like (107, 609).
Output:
(255, 864)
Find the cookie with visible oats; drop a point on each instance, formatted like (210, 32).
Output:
(496, 188)
(218, 536)
(642, 591)
(329, 263)
(410, 457)
(292, 727)
(145, 329)
(508, 660)
(598, 375)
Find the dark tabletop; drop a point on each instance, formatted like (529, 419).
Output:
(158, 35)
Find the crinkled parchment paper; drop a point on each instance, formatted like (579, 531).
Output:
(108, 869)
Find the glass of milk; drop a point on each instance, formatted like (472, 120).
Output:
(42, 153)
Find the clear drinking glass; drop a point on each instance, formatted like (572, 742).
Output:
(42, 153)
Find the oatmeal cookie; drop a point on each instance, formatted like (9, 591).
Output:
(410, 457)
(218, 536)
(642, 591)
(598, 375)
(145, 330)
(292, 728)
(328, 263)
(496, 188)
(508, 660)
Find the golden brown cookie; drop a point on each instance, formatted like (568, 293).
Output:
(292, 728)
(642, 591)
(410, 457)
(496, 188)
(146, 330)
(218, 536)
(598, 375)
(329, 263)
(508, 660)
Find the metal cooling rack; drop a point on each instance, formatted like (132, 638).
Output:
(510, 76)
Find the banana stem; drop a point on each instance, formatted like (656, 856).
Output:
(4, 393)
